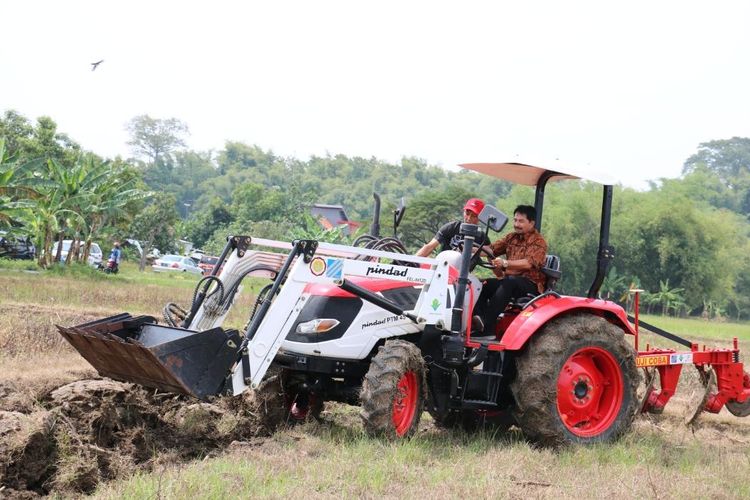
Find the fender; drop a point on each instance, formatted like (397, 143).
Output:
(540, 313)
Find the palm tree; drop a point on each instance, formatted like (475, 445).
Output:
(109, 194)
(614, 285)
(63, 195)
(81, 199)
(668, 297)
(53, 200)
(14, 191)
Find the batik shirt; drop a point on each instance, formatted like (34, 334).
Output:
(531, 247)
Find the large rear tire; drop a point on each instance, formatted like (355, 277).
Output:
(393, 391)
(576, 382)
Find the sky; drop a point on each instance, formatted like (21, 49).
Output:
(629, 89)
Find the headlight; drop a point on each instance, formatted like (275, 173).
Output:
(317, 325)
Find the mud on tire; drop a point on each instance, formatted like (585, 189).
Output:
(576, 382)
(394, 391)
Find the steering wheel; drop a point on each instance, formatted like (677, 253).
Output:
(479, 251)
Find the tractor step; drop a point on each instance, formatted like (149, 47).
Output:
(136, 349)
(485, 341)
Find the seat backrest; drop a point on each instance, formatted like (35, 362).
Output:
(552, 271)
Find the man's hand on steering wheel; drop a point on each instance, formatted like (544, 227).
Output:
(480, 251)
(485, 252)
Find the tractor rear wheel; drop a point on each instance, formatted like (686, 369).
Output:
(576, 382)
(393, 391)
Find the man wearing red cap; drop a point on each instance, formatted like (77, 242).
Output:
(448, 236)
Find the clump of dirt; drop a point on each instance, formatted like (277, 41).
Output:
(26, 444)
(91, 431)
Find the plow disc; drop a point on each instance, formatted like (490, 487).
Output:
(136, 349)
(701, 395)
(735, 407)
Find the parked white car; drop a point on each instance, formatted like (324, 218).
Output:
(95, 252)
(176, 263)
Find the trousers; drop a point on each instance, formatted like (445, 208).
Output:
(496, 295)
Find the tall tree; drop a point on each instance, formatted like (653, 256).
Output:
(41, 141)
(729, 159)
(156, 139)
(154, 226)
(202, 224)
(427, 212)
(15, 129)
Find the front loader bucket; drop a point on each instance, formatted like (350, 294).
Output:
(136, 349)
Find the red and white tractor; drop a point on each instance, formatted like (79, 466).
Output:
(392, 333)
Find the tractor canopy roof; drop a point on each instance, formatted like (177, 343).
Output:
(530, 175)
(538, 177)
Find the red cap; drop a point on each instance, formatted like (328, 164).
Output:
(475, 205)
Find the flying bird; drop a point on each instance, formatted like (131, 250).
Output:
(95, 64)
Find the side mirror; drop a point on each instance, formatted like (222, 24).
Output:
(493, 218)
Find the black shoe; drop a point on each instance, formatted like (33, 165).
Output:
(477, 326)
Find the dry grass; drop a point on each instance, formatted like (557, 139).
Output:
(33, 303)
(66, 294)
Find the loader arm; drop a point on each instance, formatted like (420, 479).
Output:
(333, 264)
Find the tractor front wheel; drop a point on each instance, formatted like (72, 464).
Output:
(576, 382)
(280, 403)
(393, 391)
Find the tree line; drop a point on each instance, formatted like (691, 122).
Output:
(683, 240)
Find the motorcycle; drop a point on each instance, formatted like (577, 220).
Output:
(110, 268)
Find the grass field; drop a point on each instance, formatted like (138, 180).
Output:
(333, 458)
(701, 329)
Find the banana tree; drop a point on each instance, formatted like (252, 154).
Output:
(669, 298)
(110, 195)
(16, 188)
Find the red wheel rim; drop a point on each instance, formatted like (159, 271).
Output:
(299, 408)
(589, 392)
(298, 412)
(405, 403)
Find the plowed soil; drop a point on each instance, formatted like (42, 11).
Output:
(93, 430)
(64, 430)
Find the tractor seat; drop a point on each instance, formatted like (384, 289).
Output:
(552, 271)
